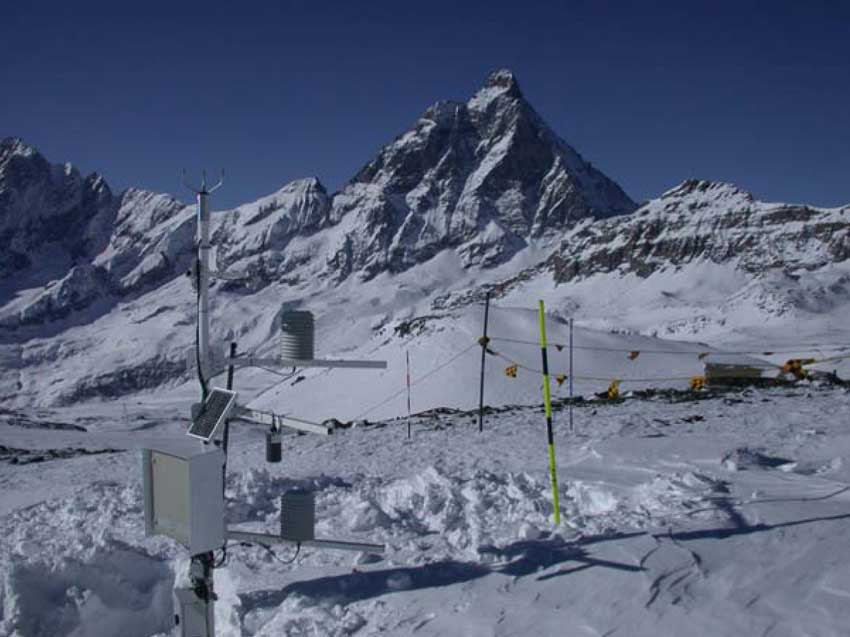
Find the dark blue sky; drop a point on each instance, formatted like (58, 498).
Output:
(652, 93)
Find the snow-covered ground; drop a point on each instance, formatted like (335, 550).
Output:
(723, 516)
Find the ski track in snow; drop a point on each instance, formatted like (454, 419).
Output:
(663, 534)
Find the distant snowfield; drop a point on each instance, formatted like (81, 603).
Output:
(728, 516)
(432, 312)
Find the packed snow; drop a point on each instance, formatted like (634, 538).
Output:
(725, 515)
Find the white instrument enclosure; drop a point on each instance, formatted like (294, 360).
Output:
(184, 496)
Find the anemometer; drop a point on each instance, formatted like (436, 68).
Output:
(184, 482)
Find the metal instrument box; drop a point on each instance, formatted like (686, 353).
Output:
(298, 516)
(184, 496)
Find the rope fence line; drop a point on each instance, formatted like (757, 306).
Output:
(415, 382)
(560, 378)
(581, 377)
(561, 346)
(793, 367)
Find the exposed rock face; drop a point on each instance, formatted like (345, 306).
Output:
(82, 286)
(82, 244)
(484, 177)
(50, 216)
(255, 236)
(152, 240)
(706, 220)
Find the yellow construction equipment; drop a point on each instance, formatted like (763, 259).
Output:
(697, 383)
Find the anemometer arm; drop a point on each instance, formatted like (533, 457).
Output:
(203, 188)
(250, 361)
(275, 420)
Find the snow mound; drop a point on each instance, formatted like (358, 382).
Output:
(115, 591)
(73, 567)
(745, 458)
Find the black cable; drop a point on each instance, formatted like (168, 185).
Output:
(273, 554)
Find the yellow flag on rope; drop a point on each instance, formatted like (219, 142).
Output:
(511, 370)
(697, 383)
(795, 367)
(614, 390)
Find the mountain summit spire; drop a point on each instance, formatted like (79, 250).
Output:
(504, 79)
(485, 178)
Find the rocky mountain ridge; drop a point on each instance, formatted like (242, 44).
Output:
(712, 221)
(478, 195)
(484, 178)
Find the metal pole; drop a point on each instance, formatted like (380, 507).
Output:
(547, 400)
(407, 356)
(204, 279)
(484, 342)
(225, 438)
(195, 604)
(571, 375)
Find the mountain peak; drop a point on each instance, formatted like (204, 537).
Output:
(501, 83)
(16, 146)
(504, 79)
(705, 188)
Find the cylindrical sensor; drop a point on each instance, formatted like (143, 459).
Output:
(273, 446)
(297, 335)
(298, 515)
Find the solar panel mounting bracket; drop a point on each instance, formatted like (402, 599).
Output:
(212, 414)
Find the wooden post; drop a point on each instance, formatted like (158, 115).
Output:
(483, 359)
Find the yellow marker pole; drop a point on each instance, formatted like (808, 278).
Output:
(547, 400)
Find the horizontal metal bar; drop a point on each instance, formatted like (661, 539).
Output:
(347, 546)
(249, 361)
(273, 420)
(229, 276)
(267, 539)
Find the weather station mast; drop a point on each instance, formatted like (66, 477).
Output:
(184, 480)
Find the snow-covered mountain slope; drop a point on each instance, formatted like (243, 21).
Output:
(51, 217)
(709, 221)
(72, 248)
(477, 196)
(705, 260)
(484, 177)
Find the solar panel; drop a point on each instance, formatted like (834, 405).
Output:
(214, 411)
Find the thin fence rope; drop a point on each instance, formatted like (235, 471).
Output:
(763, 352)
(417, 381)
(599, 378)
